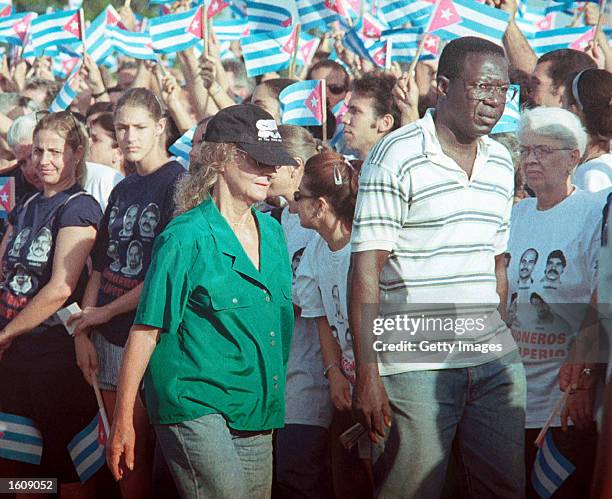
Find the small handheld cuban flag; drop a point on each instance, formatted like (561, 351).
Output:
(176, 32)
(131, 43)
(269, 15)
(87, 449)
(67, 93)
(233, 29)
(20, 439)
(509, 121)
(315, 15)
(574, 38)
(13, 29)
(267, 52)
(99, 45)
(302, 103)
(59, 28)
(550, 469)
(399, 12)
(182, 147)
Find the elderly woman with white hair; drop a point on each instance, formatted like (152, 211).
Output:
(553, 249)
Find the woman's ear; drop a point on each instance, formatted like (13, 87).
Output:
(160, 127)
(297, 169)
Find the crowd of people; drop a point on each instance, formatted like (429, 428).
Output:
(270, 318)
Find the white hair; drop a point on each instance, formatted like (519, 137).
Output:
(555, 123)
(21, 130)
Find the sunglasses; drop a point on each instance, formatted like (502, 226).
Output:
(336, 89)
(297, 195)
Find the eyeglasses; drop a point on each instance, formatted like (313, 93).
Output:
(297, 195)
(336, 89)
(540, 152)
(482, 91)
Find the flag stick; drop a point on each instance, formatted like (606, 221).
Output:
(127, 3)
(361, 8)
(101, 405)
(576, 18)
(324, 106)
(82, 30)
(205, 28)
(296, 47)
(602, 14)
(389, 50)
(558, 406)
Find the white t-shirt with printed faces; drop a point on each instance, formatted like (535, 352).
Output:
(321, 288)
(552, 273)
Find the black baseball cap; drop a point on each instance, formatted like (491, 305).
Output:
(253, 130)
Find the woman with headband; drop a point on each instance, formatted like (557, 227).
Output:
(588, 94)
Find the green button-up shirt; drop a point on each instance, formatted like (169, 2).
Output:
(226, 327)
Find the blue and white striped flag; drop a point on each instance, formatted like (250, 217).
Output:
(550, 469)
(269, 15)
(474, 19)
(20, 439)
(533, 19)
(301, 103)
(58, 28)
(99, 45)
(268, 52)
(315, 15)
(67, 93)
(405, 43)
(509, 121)
(131, 43)
(233, 29)
(399, 12)
(562, 38)
(87, 449)
(182, 147)
(13, 29)
(176, 32)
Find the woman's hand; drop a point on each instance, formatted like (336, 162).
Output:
(87, 360)
(120, 446)
(340, 389)
(91, 75)
(88, 318)
(5, 343)
(579, 408)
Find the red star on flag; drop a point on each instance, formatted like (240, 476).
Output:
(73, 25)
(380, 56)
(314, 103)
(215, 7)
(445, 15)
(195, 27)
(5, 10)
(583, 42)
(432, 44)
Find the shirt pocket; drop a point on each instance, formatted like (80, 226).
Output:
(227, 299)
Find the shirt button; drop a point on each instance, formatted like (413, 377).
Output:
(272, 343)
(272, 333)
(234, 300)
(275, 377)
(267, 298)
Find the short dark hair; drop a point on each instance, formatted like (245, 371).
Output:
(563, 62)
(329, 64)
(454, 54)
(100, 107)
(105, 121)
(277, 85)
(378, 86)
(557, 254)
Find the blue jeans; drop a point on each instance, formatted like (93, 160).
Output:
(208, 461)
(482, 407)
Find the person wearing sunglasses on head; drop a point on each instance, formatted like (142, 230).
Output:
(214, 323)
(45, 252)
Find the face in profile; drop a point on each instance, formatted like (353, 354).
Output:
(20, 242)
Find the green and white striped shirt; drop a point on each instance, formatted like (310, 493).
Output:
(443, 231)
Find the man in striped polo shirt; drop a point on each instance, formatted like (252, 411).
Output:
(435, 361)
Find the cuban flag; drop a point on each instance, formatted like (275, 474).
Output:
(176, 32)
(399, 12)
(87, 449)
(405, 44)
(6, 9)
(268, 15)
(58, 28)
(131, 43)
(99, 45)
(372, 26)
(532, 19)
(62, 64)
(20, 439)
(67, 93)
(234, 29)
(550, 469)
(356, 42)
(339, 110)
(308, 45)
(456, 18)
(380, 51)
(302, 103)
(509, 121)
(13, 29)
(314, 14)
(574, 38)
(214, 7)
(182, 147)
(268, 52)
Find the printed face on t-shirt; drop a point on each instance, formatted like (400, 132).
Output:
(528, 260)
(133, 259)
(554, 269)
(21, 281)
(149, 220)
(129, 220)
(40, 247)
(20, 241)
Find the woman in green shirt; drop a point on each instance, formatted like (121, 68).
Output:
(214, 323)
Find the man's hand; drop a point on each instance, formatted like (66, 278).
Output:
(406, 95)
(509, 6)
(340, 389)
(578, 408)
(371, 405)
(91, 75)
